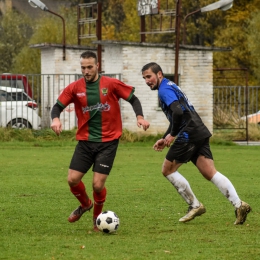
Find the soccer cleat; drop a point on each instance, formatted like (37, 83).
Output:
(192, 213)
(241, 213)
(77, 213)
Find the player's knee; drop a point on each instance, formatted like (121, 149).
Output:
(98, 187)
(72, 182)
(165, 172)
(99, 181)
(74, 178)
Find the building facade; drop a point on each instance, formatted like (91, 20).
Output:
(127, 59)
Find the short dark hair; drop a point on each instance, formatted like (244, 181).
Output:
(153, 66)
(88, 54)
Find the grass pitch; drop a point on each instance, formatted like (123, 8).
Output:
(36, 201)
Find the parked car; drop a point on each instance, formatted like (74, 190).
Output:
(253, 118)
(16, 81)
(17, 109)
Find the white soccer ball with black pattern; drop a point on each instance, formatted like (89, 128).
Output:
(107, 221)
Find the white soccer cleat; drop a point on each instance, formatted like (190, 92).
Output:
(193, 212)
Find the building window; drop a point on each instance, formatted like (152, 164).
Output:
(169, 76)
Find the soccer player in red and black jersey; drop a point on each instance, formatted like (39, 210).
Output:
(96, 100)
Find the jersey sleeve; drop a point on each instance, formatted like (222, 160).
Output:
(122, 90)
(167, 95)
(66, 96)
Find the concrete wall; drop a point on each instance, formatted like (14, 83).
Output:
(196, 80)
(52, 63)
(195, 69)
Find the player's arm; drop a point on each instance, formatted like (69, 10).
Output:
(161, 143)
(168, 130)
(137, 107)
(175, 124)
(177, 114)
(136, 104)
(55, 116)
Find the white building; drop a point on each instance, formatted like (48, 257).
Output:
(127, 59)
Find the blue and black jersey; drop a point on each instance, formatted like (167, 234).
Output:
(191, 128)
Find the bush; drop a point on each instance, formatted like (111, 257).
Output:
(28, 135)
(224, 137)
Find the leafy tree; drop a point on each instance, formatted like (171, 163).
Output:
(234, 34)
(254, 44)
(28, 61)
(114, 13)
(47, 29)
(200, 27)
(15, 30)
(129, 25)
(237, 28)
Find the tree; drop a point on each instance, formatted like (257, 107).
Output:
(234, 34)
(15, 30)
(200, 27)
(129, 29)
(253, 37)
(47, 29)
(237, 28)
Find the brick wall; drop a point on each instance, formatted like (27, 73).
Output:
(196, 80)
(195, 69)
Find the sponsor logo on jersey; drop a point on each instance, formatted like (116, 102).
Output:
(99, 106)
(170, 83)
(83, 94)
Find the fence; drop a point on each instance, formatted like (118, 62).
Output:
(234, 108)
(231, 103)
(39, 93)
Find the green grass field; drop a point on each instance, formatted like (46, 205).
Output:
(36, 201)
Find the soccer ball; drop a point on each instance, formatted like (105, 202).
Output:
(107, 221)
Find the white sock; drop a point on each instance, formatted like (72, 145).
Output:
(226, 188)
(183, 188)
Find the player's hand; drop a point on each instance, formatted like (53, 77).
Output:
(169, 139)
(141, 122)
(159, 145)
(56, 126)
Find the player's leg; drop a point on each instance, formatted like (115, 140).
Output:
(206, 166)
(80, 164)
(77, 188)
(178, 154)
(99, 194)
(102, 166)
(179, 182)
(207, 169)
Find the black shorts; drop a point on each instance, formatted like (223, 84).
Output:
(185, 152)
(100, 155)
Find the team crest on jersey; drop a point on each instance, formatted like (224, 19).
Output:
(104, 91)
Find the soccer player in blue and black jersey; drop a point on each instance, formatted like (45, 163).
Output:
(188, 139)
